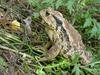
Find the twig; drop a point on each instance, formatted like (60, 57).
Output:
(9, 49)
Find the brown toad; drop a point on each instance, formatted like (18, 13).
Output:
(65, 38)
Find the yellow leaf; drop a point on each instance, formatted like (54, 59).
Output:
(15, 25)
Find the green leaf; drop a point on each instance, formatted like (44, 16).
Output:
(98, 31)
(59, 3)
(91, 71)
(2, 63)
(88, 22)
(35, 15)
(58, 73)
(12, 37)
(77, 69)
(40, 72)
(98, 26)
(70, 4)
(75, 58)
(93, 31)
(35, 3)
(48, 1)
(94, 63)
(82, 72)
(4, 40)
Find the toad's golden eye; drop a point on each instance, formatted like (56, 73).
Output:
(47, 13)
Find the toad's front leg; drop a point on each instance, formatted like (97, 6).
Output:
(52, 53)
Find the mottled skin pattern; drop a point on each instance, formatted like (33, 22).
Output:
(66, 39)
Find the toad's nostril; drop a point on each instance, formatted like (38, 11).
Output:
(47, 13)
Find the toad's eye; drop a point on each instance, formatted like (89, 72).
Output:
(47, 13)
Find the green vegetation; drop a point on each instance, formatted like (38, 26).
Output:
(84, 15)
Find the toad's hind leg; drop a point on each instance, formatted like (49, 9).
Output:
(52, 53)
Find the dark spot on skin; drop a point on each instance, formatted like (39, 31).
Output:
(62, 47)
(59, 24)
(9, 20)
(47, 13)
(5, 9)
(65, 51)
(1, 17)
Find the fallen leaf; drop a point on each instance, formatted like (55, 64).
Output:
(15, 25)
